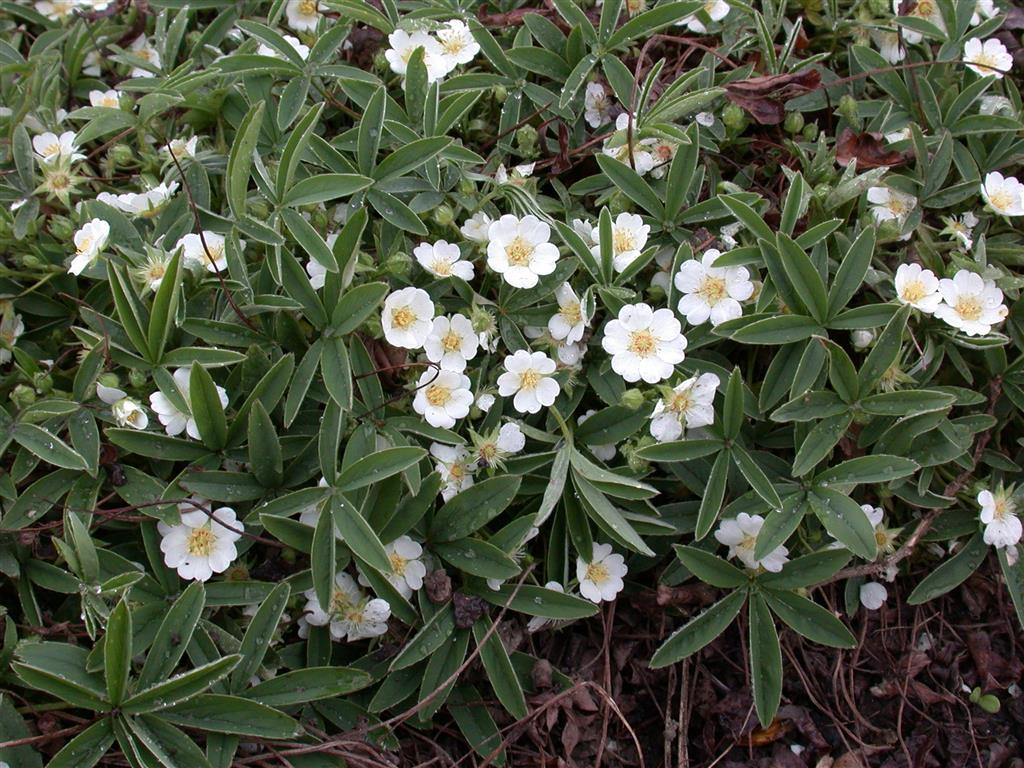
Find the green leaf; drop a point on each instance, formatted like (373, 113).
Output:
(180, 687)
(499, 669)
(907, 403)
(782, 329)
(87, 748)
(165, 305)
(681, 450)
(207, 409)
(845, 521)
(171, 747)
(468, 511)
(478, 558)
(117, 652)
(765, 660)
(355, 305)
(48, 447)
(264, 448)
(260, 633)
(809, 619)
(710, 568)
(820, 441)
(803, 277)
(748, 217)
(885, 352)
(431, 636)
(608, 517)
(952, 573)
(173, 636)
(536, 601)
(732, 412)
(579, 74)
(231, 714)
(409, 157)
(699, 631)
(650, 21)
(295, 147)
(236, 179)
(358, 535)
(754, 475)
(369, 131)
(806, 571)
(632, 185)
(321, 559)
(374, 468)
(309, 239)
(714, 493)
(852, 268)
(324, 187)
(867, 469)
(841, 372)
(337, 372)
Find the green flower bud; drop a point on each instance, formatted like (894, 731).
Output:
(23, 396)
(61, 227)
(734, 118)
(259, 210)
(629, 451)
(43, 383)
(466, 186)
(810, 132)
(380, 62)
(444, 215)
(794, 122)
(526, 140)
(880, 8)
(398, 265)
(121, 155)
(500, 93)
(136, 378)
(848, 108)
(108, 380)
(320, 219)
(30, 261)
(632, 399)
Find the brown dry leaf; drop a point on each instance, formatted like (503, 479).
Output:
(762, 736)
(849, 760)
(764, 97)
(867, 149)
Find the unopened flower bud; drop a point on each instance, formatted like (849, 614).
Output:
(136, 378)
(23, 396)
(862, 339)
(108, 380)
(43, 383)
(61, 227)
(632, 399)
(848, 109)
(444, 215)
(810, 132)
(500, 93)
(526, 140)
(794, 122)
(733, 117)
(880, 8)
(121, 155)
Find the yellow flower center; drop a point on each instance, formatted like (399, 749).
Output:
(59, 181)
(633, 7)
(571, 313)
(597, 573)
(402, 318)
(201, 542)
(51, 149)
(451, 42)
(451, 342)
(713, 290)
(925, 9)
(144, 53)
(624, 240)
(898, 207)
(1001, 200)
(135, 417)
(340, 602)
(642, 343)
(680, 402)
(1002, 509)
(457, 471)
(307, 7)
(212, 252)
(85, 245)
(519, 252)
(488, 451)
(914, 291)
(529, 379)
(398, 564)
(438, 395)
(156, 271)
(968, 307)
(441, 267)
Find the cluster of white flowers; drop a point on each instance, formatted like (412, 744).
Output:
(983, 58)
(351, 613)
(967, 302)
(443, 51)
(61, 10)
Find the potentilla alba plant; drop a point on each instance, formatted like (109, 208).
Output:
(520, 250)
(203, 543)
(644, 343)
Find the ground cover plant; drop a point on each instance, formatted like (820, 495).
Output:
(516, 383)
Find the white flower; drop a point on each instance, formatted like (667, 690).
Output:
(518, 177)
(51, 148)
(601, 577)
(528, 377)
(111, 99)
(629, 236)
(126, 412)
(476, 227)
(317, 274)
(890, 204)
(351, 614)
(885, 538)
(644, 343)
(689, 406)
(56, 10)
(568, 324)
(662, 151)
(862, 339)
(175, 421)
(740, 535)
(873, 595)
(520, 250)
(1004, 194)
(490, 451)
(181, 148)
(454, 465)
(199, 546)
(597, 105)
(716, 11)
(143, 50)
(605, 452)
(407, 569)
(213, 256)
(917, 287)
(711, 292)
(302, 15)
(302, 50)
(961, 228)
(999, 515)
(971, 303)
(90, 240)
(407, 317)
(151, 273)
(443, 259)
(484, 401)
(618, 146)
(537, 623)
(992, 104)
(983, 9)
(457, 43)
(451, 343)
(443, 397)
(11, 327)
(511, 439)
(903, 134)
(705, 119)
(404, 45)
(987, 58)
(146, 204)
(585, 230)
(890, 44)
